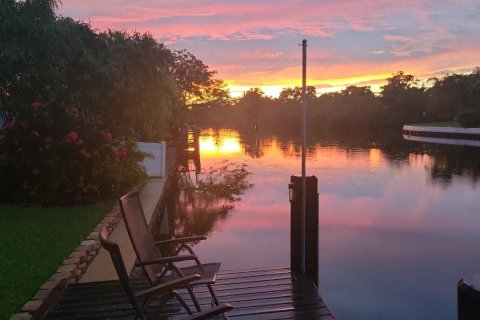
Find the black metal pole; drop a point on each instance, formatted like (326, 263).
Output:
(304, 150)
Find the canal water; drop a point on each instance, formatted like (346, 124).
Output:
(399, 220)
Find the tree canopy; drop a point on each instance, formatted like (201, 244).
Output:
(288, 95)
(401, 100)
(77, 100)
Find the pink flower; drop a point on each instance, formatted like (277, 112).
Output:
(36, 105)
(72, 136)
(107, 137)
(9, 125)
(85, 153)
(35, 133)
(121, 153)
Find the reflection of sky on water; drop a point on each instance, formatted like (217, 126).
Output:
(393, 244)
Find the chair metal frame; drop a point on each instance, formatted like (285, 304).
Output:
(164, 288)
(156, 266)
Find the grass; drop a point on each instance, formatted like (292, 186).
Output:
(34, 242)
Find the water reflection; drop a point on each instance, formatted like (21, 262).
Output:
(398, 220)
(219, 142)
(451, 161)
(207, 200)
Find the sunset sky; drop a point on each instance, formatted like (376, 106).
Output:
(350, 42)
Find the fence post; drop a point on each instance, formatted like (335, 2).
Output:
(311, 231)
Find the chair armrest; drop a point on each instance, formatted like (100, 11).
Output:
(167, 260)
(168, 286)
(181, 240)
(208, 313)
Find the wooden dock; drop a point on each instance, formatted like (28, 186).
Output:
(255, 293)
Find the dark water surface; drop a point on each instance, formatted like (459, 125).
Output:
(399, 220)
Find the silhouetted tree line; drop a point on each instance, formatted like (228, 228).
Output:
(400, 101)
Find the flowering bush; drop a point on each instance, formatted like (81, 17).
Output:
(55, 154)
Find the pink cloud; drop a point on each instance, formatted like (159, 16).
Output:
(431, 47)
(261, 54)
(223, 20)
(396, 38)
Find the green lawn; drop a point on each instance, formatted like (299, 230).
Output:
(34, 242)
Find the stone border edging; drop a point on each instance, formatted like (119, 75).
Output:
(70, 271)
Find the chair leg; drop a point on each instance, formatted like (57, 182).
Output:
(215, 300)
(182, 302)
(214, 297)
(194, 299)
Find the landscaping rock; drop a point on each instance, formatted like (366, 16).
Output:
(67, 269)
(32, 306)
(52, 284)
(93, 236)
(78, 254)
(21, 316)
(42, 294)
(71, 261)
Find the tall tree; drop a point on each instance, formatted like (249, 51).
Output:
(143, 96)
(197, 82)
(288, 95)
(404, 101)
(253, 102)
(453, 94)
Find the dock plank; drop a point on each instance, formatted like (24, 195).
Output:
(258, 294)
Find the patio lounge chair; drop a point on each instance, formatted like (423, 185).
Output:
(140, 300)
(156, 266)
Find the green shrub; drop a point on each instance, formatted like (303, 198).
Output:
(469, 118)
(56, 154)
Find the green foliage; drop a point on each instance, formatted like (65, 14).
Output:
(402, 100)
(252, 103)
(133, 83)
(91, 86)
(453, 94)
(138, 93)
(351, 109)
(35, 242)
(55, 154)
(289, 95)
(123, 79)
(197, 82)
(469, 118)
